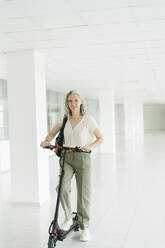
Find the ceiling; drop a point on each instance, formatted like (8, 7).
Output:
(92, 44)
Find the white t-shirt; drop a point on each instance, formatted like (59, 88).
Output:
(81, 134)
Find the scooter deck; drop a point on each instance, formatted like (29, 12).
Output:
(63, 234)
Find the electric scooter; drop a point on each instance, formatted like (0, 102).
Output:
(55, 232)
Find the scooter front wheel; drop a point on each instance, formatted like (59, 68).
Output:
(52, 241)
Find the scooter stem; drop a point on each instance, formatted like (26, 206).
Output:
(55, 222)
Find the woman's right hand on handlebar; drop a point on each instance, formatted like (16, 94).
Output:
(45, 143)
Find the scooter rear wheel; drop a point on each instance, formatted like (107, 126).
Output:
(52, 241)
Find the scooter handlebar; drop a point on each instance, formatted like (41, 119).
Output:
(77, 149)
(51, 147)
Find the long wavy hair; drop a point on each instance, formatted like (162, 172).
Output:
(68, 112)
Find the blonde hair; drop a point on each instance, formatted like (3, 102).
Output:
(82, 106)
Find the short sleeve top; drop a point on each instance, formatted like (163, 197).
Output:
(81, 134)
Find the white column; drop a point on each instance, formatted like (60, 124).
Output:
(133, 116)
(27, 126)
(2, 66)
(107, 120)
(129, 119)
(139, 119)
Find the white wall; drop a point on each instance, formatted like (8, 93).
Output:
(154, 117)
(4, 156)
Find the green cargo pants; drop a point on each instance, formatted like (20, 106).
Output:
(78, 163)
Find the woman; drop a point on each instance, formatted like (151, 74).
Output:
(80, 130)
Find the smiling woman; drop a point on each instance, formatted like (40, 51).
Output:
(73, 101)
(80, 130)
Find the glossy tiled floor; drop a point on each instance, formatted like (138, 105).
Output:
(128, 205)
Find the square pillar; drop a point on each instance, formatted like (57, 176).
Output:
(133, 116)
(107, 120)
(27, 126)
